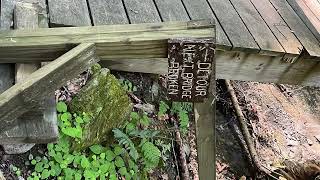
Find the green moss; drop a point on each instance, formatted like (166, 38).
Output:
(107, 102)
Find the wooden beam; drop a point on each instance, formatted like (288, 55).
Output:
(26, 95)
(238, 66)
(112, 41)
(206, 136)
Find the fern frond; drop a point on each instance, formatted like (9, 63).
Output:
(124, 139)
(151, 154)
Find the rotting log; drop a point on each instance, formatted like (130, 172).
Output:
(112, 41)
(237, 66)
(28, 94)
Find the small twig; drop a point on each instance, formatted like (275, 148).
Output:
(134, 97)
(175, 157)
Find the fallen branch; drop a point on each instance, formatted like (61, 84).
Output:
(245, 130)
(182, 155)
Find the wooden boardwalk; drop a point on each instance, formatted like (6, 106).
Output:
(257, 40)
(254, 37)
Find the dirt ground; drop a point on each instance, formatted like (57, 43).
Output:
(284, 122)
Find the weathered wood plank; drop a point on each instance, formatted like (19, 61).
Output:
(267, 42)
(238, 66)
(308, 17)
(235, 29)
(314, 6)
(39, 126)
(6, 12)
(172, 10)
(200, 9)
(279, 28)
(206, 138)
(108, 12)
(26, 95)
(113, 41)
(305, 36)
(142, 11)
(69, 13)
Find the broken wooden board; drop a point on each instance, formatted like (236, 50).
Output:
(112, 41)
(28, 94)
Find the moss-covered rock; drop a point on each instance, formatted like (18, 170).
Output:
(107, 102)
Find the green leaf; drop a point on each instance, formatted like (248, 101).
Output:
(62, 107)
(89, 174)
(45, 174)
(119, 162)
(103, 155)
(18, 173)
(39, 167)
(130, 127)
(145, 121)
(77, 176)
(122, 171)
(134, 116)
(79, 120)
(110, 155)
(104, 168)
(85, 162)
(66, 117)
(118, 150)
(96, 149)
(33, 162)
(72, 132)
(58, 157)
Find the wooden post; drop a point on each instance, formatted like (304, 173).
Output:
(206, 138)
(191, 78)
(29, 94)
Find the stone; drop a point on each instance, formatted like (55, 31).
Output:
(309, 141)
(107, 102)
(17, 148)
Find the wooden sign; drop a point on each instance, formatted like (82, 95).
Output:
(190, 68)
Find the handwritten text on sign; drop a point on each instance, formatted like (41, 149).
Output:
(190, 68)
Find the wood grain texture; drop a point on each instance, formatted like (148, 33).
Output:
(260, 31)
(308, 17)
(142, 11)
(235, 29)
(108, 12)
(205, 130)
(238, 66)
(113, 41)
(172, 10)
(26, 95)
(314, 6)
(69, 13)
(305, 36)
(200, 9)
(279, 28)
(7, 7)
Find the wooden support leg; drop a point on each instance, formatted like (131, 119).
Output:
(205, 124)
(34, 126)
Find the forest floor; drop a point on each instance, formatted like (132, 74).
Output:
(284, 122)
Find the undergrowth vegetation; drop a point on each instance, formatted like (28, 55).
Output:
(137, 149)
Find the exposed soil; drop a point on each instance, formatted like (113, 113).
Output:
(284, 123)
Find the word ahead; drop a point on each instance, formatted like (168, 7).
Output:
(190, 68)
